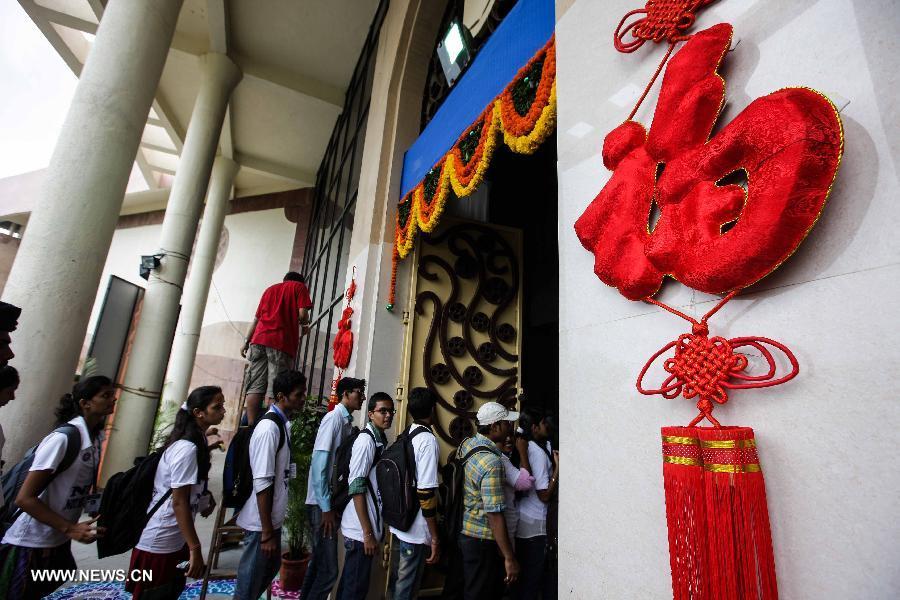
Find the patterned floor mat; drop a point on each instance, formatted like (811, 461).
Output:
(116, 591)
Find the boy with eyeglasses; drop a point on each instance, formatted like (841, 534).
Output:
(361, 522)
(334, 429)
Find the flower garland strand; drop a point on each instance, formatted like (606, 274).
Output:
(524, 127)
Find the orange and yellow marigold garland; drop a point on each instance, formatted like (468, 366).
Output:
(522, 133)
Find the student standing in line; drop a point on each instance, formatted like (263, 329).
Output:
(263, 513)
(515, 479)
(9, 382)
(531, 537)
(420, 544)
(335, 427)
(170, 537)
(51, 501)
(361, 522)
(484, 538)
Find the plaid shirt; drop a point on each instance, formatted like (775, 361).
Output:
(482, 487)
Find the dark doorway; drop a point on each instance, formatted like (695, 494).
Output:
(523, 194)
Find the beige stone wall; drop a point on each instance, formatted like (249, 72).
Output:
(8, 248)
(832, 503)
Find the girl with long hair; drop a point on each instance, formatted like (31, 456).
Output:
(55, 494)
(9, 382)
(170, 537)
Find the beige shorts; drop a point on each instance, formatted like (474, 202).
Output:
(265, 364)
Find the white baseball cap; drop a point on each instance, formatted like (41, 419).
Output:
(491, 412)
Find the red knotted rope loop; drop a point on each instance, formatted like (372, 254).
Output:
(663, 20)
(703, 367)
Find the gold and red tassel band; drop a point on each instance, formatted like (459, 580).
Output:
(720, 546)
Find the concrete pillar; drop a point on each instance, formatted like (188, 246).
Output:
(184, 348)
(57, 271)
(136, 410)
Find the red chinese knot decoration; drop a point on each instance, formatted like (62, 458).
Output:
(716, 237)
(704, 366)
(342, 346)
(663, 20)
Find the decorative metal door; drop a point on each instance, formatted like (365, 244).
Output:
(463, 332)
(463, 340)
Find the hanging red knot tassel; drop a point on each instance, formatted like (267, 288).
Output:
(720, 545)
(342, 347)
(704, 367)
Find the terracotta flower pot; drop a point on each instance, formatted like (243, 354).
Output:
(293, 572)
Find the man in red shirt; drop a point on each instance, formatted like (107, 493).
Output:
(282, 317)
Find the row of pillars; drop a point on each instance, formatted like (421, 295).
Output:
(57, 270)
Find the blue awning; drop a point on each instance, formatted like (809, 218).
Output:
(524, 31)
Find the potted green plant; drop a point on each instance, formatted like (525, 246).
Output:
(296, 524)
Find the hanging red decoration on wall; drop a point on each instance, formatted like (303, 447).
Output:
(662, 20)
(342, 346)
(718, 237)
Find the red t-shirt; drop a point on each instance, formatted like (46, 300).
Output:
(278, 318)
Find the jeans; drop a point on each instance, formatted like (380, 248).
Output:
(405, 582)
(483, 569)
(256, 570)
(323, 566)
(532, 556)
(354, 583)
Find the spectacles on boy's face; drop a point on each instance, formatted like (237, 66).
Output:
(385, 411)
(360, 392)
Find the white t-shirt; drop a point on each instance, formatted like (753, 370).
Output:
(334, 429)
(362, 458)
(177, 468)
(65, 495)
(533, 512)
(510, 477)
(427, 453)
(269, 468)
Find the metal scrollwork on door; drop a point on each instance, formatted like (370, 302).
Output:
(471, 277)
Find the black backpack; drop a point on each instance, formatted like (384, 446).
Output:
(14, 478)
(451, 493)
(397, 481)
(123, 507)
(237, 477)
(340, 471)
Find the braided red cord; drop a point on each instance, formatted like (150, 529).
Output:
(662, 63)
(703, 366)
(664, 20)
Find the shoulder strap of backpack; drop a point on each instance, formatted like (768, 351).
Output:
(73, 447)
(369, 481)
(477, 450)
(422, 429)
(377, 451)
(544, 449)
(282, 429)
(159, 504)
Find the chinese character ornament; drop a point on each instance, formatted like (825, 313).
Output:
(716, 237)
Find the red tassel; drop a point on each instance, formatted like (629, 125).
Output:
(343, 348)
(739, 541)
(333, 398)
(343, 340)
(685, 511)
(720, 545)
